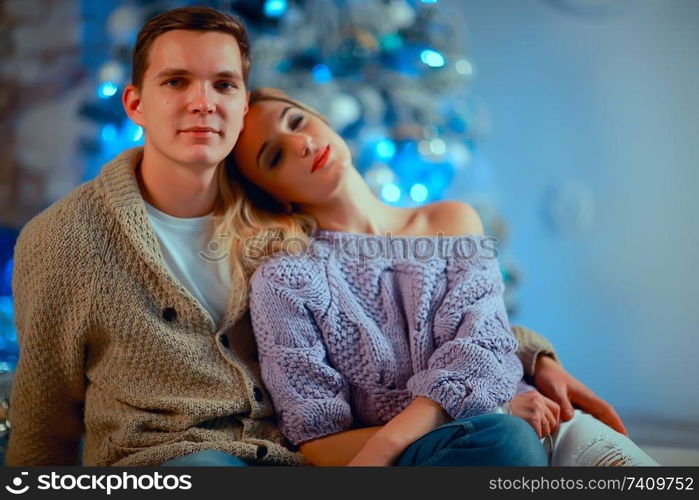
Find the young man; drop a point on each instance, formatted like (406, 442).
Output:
(125, 335)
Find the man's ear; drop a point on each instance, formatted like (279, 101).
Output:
(131, 99)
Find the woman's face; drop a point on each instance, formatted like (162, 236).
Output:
(290, 153)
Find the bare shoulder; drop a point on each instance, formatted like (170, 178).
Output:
(452, 218)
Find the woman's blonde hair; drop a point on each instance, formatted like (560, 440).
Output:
(251, 225)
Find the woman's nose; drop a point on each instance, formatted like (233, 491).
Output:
(301, 144)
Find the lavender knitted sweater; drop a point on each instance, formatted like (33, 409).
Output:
(349, 335)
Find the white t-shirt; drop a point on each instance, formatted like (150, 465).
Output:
(182, 243)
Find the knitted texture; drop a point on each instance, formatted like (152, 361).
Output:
(114, 348)
(348, 335)
(531, 346)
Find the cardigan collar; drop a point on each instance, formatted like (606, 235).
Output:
(119, 186)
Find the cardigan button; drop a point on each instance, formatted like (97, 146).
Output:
(261, 451)
(224, 341)
(169, 314)
(257, 394)
(290, 446)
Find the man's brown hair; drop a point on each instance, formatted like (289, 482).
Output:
(187, 18)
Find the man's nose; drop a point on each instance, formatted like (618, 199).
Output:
(201, 100)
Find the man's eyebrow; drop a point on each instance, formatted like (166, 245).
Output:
(266, 143)
(172, 72)
(233, 75)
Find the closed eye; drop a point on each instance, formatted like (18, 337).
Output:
(295, 121)
(276, 158)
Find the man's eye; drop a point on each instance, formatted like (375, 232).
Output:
(226, 85)
(174, 82)
(295, 122)
(276, 159)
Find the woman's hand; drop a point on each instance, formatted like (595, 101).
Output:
(541, 413)
(554, 382)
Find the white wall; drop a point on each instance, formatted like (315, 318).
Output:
(614, 103)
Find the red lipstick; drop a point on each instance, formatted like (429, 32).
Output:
(321, 158)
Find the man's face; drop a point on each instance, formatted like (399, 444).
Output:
(193, 98)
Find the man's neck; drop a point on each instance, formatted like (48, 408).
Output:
(179, 190)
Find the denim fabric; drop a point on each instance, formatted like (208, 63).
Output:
(487, 440)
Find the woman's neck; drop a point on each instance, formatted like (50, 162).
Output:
(353, 208)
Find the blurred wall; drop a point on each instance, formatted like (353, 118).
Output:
(611, 103)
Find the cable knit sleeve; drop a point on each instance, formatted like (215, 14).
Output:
(310, 397)
(473, 368)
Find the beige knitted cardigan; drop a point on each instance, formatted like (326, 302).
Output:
(114, 349)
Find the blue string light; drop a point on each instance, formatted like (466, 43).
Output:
(385, 149)
(432, 58)
(106, 90)
(109, 132)
(419, 193)
(321, 73)
(6, 278)
(275, 8)
(390, 192)
(138, 134)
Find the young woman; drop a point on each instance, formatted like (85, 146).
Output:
(374, 357)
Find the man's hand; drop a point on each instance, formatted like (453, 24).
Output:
(541, 413)
(557, 384)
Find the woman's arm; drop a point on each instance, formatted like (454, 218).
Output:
(385, 446)
(380, 445)
(337, 450)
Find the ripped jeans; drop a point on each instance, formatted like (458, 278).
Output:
(585, 441)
